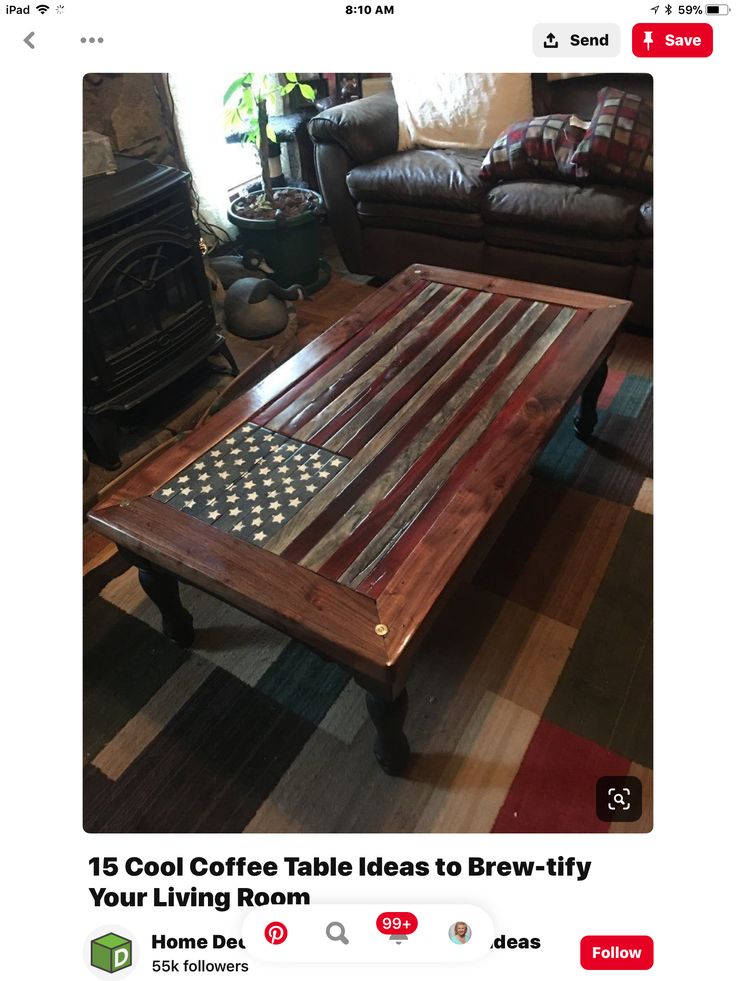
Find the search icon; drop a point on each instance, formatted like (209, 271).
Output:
(336, 931)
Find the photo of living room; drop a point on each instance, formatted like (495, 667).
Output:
(368, 475)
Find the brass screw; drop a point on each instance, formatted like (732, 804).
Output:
(381, 629)
(125, 504)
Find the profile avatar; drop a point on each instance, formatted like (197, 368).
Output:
(459, 932)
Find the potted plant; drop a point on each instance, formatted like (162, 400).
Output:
(281, 223)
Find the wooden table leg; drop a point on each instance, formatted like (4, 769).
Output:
(586, 421)
(163, 589)
(391, 747)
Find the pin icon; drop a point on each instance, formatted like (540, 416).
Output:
(275, 932)
(648, 40)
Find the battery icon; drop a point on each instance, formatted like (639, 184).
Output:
(717, 9)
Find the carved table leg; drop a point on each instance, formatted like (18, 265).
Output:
(586, 421)
(391, 746)
(163, 589)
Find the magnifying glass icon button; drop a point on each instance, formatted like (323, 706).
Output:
(336, 931)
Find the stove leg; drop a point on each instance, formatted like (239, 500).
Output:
(391, 747)
(227, 354)
(102, 441)
(163, 589)
(586, 421)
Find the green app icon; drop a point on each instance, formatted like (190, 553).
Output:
(112, 953)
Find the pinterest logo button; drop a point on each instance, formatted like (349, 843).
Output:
(276, 932)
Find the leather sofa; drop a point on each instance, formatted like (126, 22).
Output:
(389, 209)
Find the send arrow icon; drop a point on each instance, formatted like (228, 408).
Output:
(27, 40)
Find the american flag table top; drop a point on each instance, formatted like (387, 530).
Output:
(387, 423)
(340, 496)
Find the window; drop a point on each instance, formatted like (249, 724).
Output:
(218, 168)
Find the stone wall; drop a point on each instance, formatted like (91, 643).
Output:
(134, 110)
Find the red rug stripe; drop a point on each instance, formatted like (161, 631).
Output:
(554, 788)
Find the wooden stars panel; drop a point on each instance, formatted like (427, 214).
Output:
(252, 483)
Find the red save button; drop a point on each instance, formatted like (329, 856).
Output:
(616, 953)
(672, 40)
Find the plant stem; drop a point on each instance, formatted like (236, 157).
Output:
(263, 149)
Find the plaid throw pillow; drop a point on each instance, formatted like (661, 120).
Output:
(617, 145)
(539, 147)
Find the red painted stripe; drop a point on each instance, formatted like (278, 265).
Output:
(377, 579)
(383, 344)
(411, 387)
(554, 789)
(333, 511)
(364, 533)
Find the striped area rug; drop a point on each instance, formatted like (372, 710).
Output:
(535, 681)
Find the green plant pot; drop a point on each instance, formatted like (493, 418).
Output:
(290, 247)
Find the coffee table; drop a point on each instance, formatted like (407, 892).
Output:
(342, 496)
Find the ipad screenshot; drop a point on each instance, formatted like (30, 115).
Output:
(373, 661)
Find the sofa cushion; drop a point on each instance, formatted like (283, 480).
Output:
(433, 221)
(422, 178)
(595, 212)
(617, 145)
(538, 147)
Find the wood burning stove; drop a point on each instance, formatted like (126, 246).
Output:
(148, 316)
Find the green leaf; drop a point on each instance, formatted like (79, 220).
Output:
(271, 133)
(287, 88)
(291, 77)
(232, 89)
(247, 101)
(308, 92)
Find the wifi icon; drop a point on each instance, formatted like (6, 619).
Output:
(42, 8)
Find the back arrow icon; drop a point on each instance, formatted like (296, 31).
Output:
(27, 40)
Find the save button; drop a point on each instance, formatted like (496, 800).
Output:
(672, 40)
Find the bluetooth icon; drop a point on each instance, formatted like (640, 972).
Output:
(668, 9)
